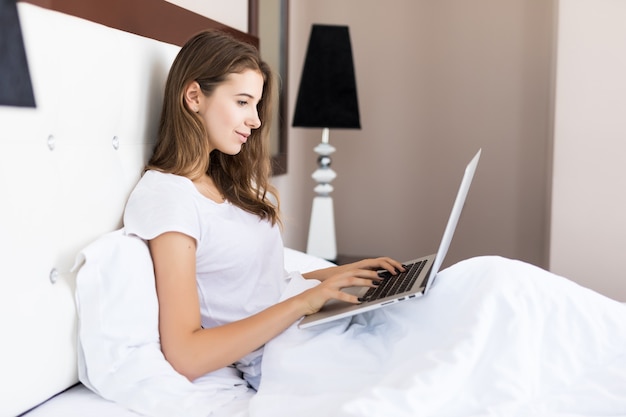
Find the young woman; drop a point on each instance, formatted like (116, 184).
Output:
(207, 209)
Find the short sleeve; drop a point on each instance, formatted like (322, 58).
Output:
(162, 203)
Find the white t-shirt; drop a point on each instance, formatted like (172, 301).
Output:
(239, 257)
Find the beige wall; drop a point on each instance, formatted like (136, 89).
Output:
(589, 193)
(233, 13)
(436, 80)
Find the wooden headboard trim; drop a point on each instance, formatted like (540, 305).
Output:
(155, 19)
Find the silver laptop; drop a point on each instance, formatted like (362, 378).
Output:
(414, 282)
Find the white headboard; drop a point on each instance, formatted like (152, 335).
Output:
(66, 169)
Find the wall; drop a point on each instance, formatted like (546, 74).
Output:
(436, 80)
(233, 13)
(589, 198)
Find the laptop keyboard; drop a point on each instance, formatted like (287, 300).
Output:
(394, 284)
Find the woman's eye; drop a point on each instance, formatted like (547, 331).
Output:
(242, 102)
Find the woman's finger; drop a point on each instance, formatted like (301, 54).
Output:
(385, 263)
(349, 298)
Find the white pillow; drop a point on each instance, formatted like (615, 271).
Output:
(303, 262)
(119, 355)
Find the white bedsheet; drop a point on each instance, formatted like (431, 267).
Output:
(79, 401)
(494, 337)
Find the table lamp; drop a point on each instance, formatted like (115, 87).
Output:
(327, 99)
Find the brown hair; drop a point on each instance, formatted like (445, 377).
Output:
(182, 146)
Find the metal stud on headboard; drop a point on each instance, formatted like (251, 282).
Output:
(54, 275)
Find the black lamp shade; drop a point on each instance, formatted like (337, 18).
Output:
(15, 85)
(327, 96)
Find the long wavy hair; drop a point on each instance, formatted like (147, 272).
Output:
(182, 146)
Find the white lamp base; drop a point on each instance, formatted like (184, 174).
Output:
(322, 241)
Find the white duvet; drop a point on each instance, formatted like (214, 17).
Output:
(494, 337)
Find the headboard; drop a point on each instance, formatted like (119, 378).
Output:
(66, 169)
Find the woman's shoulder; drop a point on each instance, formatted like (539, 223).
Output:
(161, 202)
(153, 178)
(161, 187)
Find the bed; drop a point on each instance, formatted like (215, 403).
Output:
(494, 337)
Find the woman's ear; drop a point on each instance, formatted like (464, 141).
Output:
(192, 96)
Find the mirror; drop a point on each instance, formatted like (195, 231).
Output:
(268, 20)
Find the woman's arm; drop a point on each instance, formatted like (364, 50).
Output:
(194, 351)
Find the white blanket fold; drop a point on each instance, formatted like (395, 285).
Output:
(494, 337)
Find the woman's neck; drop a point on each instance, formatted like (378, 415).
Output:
(206, 186)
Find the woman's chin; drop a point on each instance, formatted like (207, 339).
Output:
(233, 150)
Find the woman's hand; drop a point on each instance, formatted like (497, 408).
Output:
(389, 264)
(358, 274)
(374, 264)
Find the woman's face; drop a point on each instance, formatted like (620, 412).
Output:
(230, 112)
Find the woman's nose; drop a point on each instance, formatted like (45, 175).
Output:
(254, 121)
